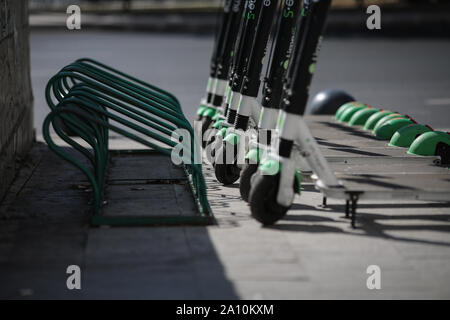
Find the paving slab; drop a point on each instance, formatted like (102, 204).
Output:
(151, 166)
(311, 253)
(389, 166)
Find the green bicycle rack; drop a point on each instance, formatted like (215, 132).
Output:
(88, 100)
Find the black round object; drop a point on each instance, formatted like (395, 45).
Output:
(263, 200)
(226, 173)
(328, 101)
(246, 176)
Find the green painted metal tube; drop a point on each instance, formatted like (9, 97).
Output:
(88, 97)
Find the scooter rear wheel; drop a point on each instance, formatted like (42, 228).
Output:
(206, 123)
(245, 181)
(263, 199)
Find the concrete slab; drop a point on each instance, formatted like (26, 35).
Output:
(141, 200)
(311, 253)
(389, 166)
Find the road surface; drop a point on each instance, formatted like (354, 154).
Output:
(409, 76)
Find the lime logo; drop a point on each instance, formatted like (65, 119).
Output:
(262, 60)
(232, 53)
(288, 13)
(286, 64)
(312, 68)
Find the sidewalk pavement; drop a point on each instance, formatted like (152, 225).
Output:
(312, 253)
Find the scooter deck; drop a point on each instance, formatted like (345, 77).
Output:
(430, 187)
(371, 169)
(390, 167)
(387, 152)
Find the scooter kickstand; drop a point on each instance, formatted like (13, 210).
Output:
(347, 209)
(354, 197)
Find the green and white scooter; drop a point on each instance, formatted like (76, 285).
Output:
(274, 185)
(241, 55)
(221, 88)
(280, 54)
(215, 89)
(247, 114)
(296, 150)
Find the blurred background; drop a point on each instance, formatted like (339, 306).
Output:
(403, 67)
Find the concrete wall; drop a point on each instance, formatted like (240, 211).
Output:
(16, 99)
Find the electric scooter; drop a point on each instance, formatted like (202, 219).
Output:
(217, 50)
(220, 86)
(272, 91)
(221, 90)
(273, 187)
(227, 170)
(241, 55)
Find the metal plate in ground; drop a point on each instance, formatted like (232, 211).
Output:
(373, 182)
(137, 166)
(146, 188)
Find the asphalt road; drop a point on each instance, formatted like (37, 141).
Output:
(411, 76)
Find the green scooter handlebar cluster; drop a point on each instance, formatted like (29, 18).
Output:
(400, 130)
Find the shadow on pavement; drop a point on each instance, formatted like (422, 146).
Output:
(45, 229)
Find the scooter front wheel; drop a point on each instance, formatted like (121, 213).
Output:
(263, 199)
(245, 181)
(226, 173)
